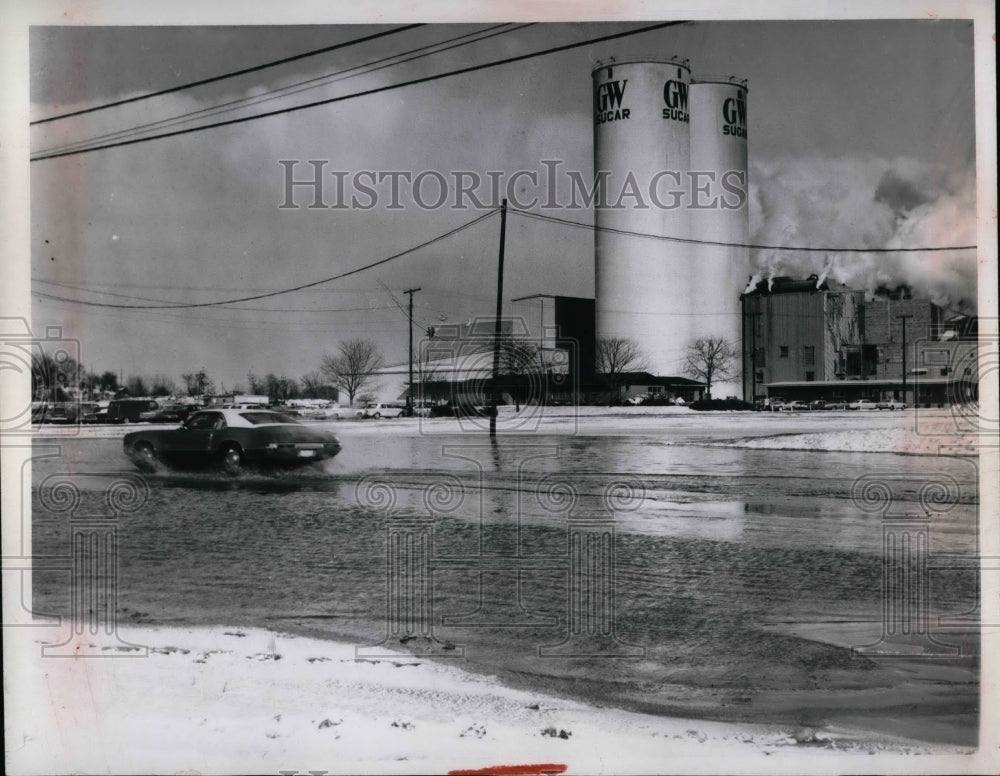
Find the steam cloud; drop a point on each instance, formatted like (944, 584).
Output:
(873, 203)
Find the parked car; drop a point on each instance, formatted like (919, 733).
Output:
(130, 410)
(61, 411)
(232, 440)
(796, 406)
(384, 410)
(100, 416)
(890, 404)
(836, 404)
(862, 404)
(170, 413)
(817, 404)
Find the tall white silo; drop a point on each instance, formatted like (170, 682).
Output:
(641, 140)
(720, 213)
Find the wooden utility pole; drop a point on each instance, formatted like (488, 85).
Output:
(903, 319)
(496, 327)
(409, 390)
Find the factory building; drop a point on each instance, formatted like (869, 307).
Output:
(816, 339)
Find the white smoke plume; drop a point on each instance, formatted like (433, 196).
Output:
(865, 201)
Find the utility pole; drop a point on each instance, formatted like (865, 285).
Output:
(496, 328)
(753, 348)
(409, 392)
(903, 319)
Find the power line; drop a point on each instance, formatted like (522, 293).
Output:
(221, 307)
(219, 303)
(292, 89)
(364, 93)
(232, 74)
(758, 246)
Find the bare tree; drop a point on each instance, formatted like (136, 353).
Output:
(136, 385)
(518, 356)
(198, 383)
(161, 385)
(710, 359)
(351, 369)
(617, 356)
(313, 385)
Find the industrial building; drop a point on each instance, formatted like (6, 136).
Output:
(816, 339)
(671, 258)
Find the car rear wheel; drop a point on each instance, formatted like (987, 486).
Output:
(377, 415)
(146, 456)
(232, 459)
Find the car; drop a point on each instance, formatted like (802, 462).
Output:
(862, 404)
(890, 404)
(836, 404)
(796, 406)
(343, 412)
(131, 410)
(817, 404)
(384, 410)
(61, 411)
(231, 440)
(100, 416)
(169, 413)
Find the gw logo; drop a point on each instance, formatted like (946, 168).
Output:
(734, 113)
(608, 100)
(675, 95)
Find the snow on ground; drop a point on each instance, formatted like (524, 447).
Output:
(949, 431)
(239, 700)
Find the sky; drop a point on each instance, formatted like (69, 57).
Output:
(860, 134)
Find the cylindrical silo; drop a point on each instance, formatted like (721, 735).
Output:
(641, 153)
(720, 213)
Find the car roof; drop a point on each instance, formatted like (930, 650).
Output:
(234, 417)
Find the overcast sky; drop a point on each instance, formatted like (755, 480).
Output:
(860, 133)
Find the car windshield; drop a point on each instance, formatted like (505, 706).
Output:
(263, 418)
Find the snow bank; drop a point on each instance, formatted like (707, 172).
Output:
(225, 699)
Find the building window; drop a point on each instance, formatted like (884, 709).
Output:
(810, 377)
(783, 352)
(809, 355)
(760, 377)
(968, 371)
(761, 357)
(944, 371)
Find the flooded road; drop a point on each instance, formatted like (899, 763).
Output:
(705, 581)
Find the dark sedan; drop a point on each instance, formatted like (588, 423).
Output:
(232, 440)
